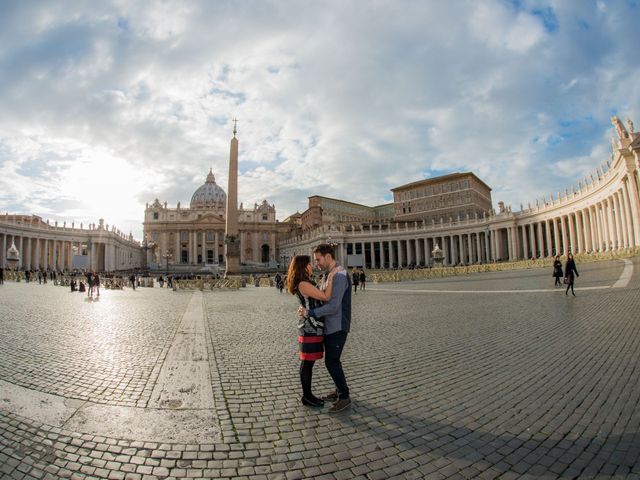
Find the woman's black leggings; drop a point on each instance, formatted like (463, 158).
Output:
(306, 373)
(558, 281)
(569, 285)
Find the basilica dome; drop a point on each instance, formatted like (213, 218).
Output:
(209, 194)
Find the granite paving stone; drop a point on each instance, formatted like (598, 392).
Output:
(451, 384)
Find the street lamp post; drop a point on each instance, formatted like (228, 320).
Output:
(166, 257)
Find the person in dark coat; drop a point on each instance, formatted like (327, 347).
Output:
(569, 271)
(355, 280)
(557, 270)
(363, 280)
(1, 275)
(89, 284)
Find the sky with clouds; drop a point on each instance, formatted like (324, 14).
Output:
(108, 105)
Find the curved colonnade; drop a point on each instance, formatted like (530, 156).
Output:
(53, 247)
(602, 214)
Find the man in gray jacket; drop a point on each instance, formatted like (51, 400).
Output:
(337, 323)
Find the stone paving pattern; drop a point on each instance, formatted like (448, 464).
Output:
(447, 385)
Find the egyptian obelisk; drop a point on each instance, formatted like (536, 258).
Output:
(232, 237)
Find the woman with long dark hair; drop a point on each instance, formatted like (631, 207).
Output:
(310, 329)
(569, 271)
(557, 270)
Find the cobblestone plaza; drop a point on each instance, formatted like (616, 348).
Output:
(494, 375)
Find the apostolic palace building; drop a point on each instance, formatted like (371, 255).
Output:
(453, 212)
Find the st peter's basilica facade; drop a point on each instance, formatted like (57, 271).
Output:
(192, 238)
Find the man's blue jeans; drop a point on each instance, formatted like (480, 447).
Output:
(333, 345)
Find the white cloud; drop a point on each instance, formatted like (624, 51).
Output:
(334, 98)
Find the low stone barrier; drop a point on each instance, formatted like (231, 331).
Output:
(146, 282)
(200, 284)
(382, 276)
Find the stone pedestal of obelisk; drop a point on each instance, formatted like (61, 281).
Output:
(232, 235)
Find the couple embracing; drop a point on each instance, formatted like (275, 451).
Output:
(325, 320)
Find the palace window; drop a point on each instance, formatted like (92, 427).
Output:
(265, 216)
(184, 236)
(155, 215)
(209, 236)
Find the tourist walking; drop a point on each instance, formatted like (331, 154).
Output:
(355, 279)
(89, 284)
(278, 280)
(311, 327)
(569, 271)
(337, 323)
(132, 279)
(363, 280)
(1, 276)
(96, 283)
(557, 270)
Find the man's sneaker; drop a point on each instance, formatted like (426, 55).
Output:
(340, 405)
(330, 397)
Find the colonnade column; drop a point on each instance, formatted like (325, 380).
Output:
(382, 256)
(547, 228)
(597, 228)
(445, 251)
(615, 221)
(563, 227)
(532, 240)
(608, 220)
(487, 246)
(427, 252)
(215, 247)
(624, 239)
(20, 248)
(3, 254)
(418, 250)
(46, 254)
(525, 243)
(579, 232)
(604, 231)
(392, 255)
(626, 227)
(194, 246)
(592, 236)
(556, 236)
(494, 245)
(540, 241)
(634, 203)
(455, 253)
(572, 234)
